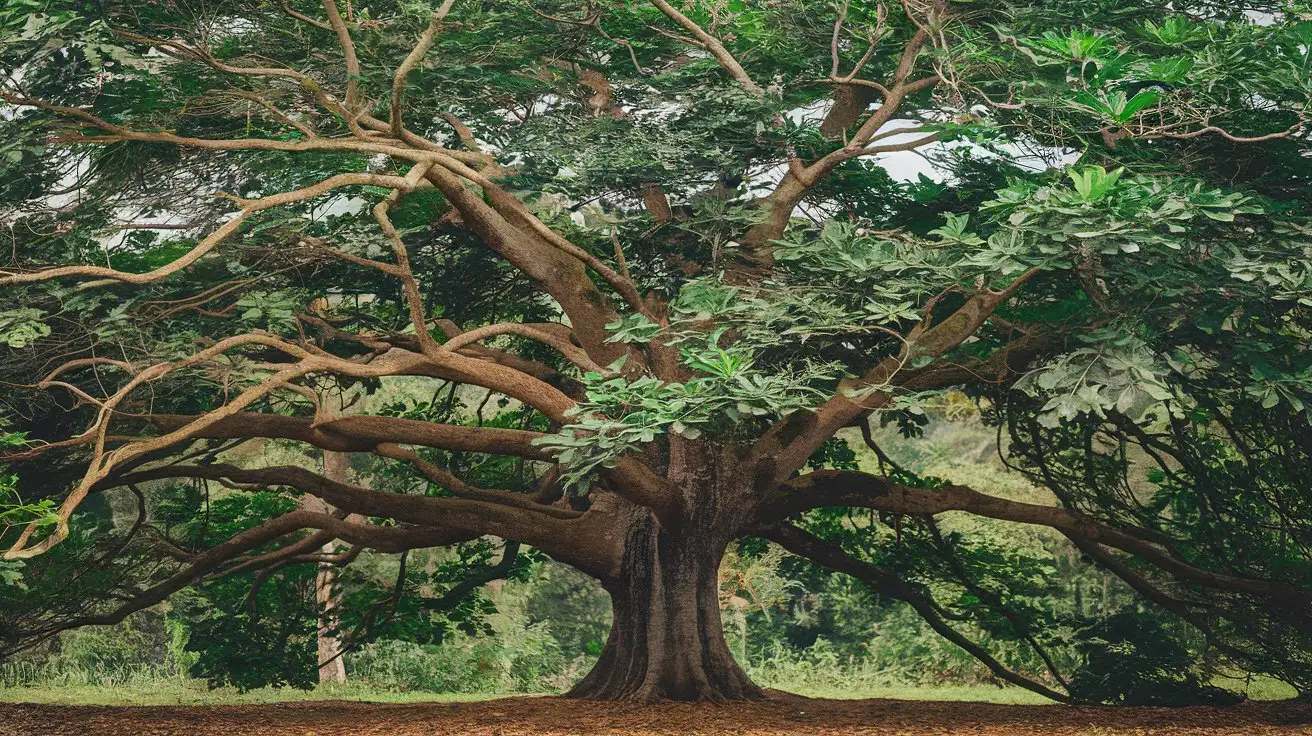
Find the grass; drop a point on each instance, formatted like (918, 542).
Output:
(195, 692)
(1258, 688)
(964, 693)
(183, 691)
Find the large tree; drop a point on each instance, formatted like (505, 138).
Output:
(668, 234)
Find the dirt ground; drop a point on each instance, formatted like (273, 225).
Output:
(780, 714)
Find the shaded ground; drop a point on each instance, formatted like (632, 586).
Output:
(781, 714)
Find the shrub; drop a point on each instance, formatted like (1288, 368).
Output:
(1133, 658)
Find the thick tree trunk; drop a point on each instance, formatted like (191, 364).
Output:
(666, 640)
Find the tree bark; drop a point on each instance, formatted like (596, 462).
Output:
(332, 665)
(666, 640)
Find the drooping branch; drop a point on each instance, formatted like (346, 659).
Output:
(474, 580)
(863, 490)
(103, 463)
(993, 599)
(450, 366)
(212, 562)
(886, 582)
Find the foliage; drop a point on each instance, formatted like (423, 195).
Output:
(678, 266)
(1133, 658)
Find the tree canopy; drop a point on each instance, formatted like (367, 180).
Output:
(683, 247)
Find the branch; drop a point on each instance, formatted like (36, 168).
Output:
(348, 52)
(102, 463)
(363, 433)
(1214, 130)
(451, 366)
(412, 60)
(303, 17)
(446, 479)
(274, 110)
(573, 354)
(757, 257)
(713, 46)
(120, 133)
(508, 228)
(454, 595)
(885, 582)
(784, 448)
(207, 244)
(857, 489)
(576, 540)
(209, 562)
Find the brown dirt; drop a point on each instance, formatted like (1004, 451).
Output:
(780, 714)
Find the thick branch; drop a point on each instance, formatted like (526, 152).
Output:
(363, 433)
(579, 541)
(857, 489)
(348, 53)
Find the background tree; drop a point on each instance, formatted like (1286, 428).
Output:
(644, 231)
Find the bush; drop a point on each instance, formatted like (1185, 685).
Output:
(1133, 658)
(518, 659)
(817, 668)
(145, 649)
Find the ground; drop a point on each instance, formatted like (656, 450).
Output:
(552, 716)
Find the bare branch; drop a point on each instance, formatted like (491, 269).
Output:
(348, 52)
(303, 17)
(573, 354)
(412, 60)
(713, 46)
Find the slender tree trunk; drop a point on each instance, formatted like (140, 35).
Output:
(332, 665)
(666, 641)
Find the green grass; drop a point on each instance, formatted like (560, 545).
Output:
(1260, 688)
(186, 691)
(195, 692)
(968, 693)
(192, 692)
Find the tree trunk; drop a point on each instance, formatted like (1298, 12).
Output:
(666, 640)
(332, 666)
